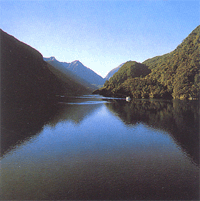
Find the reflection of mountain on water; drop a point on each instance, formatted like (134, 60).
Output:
(178, 118)
(75, 112)
(19, 124)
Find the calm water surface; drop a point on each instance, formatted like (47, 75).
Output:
(105, 149)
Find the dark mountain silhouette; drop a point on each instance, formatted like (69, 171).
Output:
(25, 77)
(173, 75)
(77, 68)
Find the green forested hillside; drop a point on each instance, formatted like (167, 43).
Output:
(173, 75)
(130, 69)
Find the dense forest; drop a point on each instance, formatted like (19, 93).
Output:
(174, 75)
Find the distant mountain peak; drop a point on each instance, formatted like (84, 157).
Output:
(76, 62)
(80, 70)
(53, 58)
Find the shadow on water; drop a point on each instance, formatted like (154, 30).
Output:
(179, 118)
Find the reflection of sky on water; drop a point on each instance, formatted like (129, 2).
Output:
(100, 134)
(100, 140)
(86, 103)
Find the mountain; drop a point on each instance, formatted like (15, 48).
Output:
(67, 75)
(25, 77)
(174, 75)
(84, 72)
(77, 68)
(28, 84)
(130, 70)
(178, 71)
(113, 71)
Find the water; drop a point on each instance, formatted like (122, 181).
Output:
(93, 148)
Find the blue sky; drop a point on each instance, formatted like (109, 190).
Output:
(102, 34)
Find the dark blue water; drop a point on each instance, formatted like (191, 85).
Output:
(107, 149)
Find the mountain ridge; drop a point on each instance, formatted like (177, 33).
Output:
(70, 75)
(82, 71)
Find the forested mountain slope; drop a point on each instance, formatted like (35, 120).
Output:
(179, 69)
(25, 77)
(173, 75)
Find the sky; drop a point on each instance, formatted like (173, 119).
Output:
(101, 34)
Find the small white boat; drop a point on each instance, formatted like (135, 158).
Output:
(128, 98)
